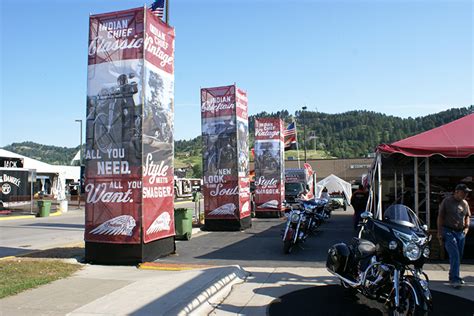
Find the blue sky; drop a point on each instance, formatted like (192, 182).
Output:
(403, 58)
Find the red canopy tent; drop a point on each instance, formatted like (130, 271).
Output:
(452, 140)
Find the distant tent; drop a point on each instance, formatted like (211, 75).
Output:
(334, 184)
(77, 158)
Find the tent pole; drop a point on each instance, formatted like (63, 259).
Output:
(427, 191)
(415, 184)
(396, 185)
(402, 187)
(379, 167)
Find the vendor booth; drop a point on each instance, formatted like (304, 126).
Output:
(421, 170)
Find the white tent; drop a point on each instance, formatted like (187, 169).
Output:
(334, 184)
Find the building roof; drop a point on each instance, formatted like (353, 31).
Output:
(70, 172)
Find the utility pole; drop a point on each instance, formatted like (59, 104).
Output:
(304, 132)
(80, 165)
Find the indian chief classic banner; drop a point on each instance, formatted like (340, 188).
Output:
(269, 165)
(129, 159)
(225, 153)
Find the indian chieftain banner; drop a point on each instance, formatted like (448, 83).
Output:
(225, 153)
(269, 164)
(129, 104)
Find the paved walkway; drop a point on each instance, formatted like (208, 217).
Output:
(119, 290)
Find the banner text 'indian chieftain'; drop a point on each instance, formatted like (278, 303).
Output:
(225, 153)
(269, 165)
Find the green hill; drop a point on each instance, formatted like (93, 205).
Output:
(344, 135)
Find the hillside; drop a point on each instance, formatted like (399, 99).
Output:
(344, 135)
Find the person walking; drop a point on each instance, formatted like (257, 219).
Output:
(359, 203)
(453, 225)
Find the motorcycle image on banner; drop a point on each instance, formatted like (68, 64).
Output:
(386, 262)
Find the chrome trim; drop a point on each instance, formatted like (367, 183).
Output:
(396, 284)
(361, 281)
(417, 301)
(286, 229)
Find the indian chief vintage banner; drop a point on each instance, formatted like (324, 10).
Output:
(225, 153)
(127, 165)
(269, 164)
(158, 142)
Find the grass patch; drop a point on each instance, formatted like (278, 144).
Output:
(18, 275)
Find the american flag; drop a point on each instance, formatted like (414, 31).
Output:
(290, 136)
(290, 130)
(158, 8)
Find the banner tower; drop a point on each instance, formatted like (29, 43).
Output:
(269, 167)
(129, 140)
(225, 158)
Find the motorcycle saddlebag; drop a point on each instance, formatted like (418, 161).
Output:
(338, 258)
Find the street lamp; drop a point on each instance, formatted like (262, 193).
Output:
(304, 132)
(80, 166)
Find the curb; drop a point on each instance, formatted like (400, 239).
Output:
(58, 213)
(214, 293)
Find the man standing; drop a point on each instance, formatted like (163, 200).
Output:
(359, 203)
(453, 225)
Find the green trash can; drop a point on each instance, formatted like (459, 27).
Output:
(183, 223)
(44, 208)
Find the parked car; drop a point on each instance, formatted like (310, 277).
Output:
(338, 200)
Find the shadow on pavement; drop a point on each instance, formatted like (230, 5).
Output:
(56, 225)
(58, 253)
(10, 251)
(334, 300)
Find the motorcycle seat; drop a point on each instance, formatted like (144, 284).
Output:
(364, 248)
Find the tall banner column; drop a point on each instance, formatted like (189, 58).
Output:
(129, 164)
(269, 167)
(225, 158)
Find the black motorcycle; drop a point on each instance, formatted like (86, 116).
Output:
(386, 262)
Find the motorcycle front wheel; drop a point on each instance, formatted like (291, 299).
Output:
(287, 246)
(408, 305)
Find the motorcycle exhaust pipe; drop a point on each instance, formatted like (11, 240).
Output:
(352, 283)
(347, 281)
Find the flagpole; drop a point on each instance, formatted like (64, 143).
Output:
(167, 11)
(297, 147)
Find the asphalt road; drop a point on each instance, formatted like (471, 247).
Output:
(261, 245)
(20, 236)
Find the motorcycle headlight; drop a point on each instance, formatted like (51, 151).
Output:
(426, 252)
(412, 251)
(392, 245)
(295, 218)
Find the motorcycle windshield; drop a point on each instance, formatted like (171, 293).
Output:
(402, 215)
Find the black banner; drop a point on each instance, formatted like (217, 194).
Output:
(9, 162)
(14, 186)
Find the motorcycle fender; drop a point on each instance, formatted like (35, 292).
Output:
(425, 300)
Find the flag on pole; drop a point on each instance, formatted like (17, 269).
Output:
(158, 8)
(290, 136)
